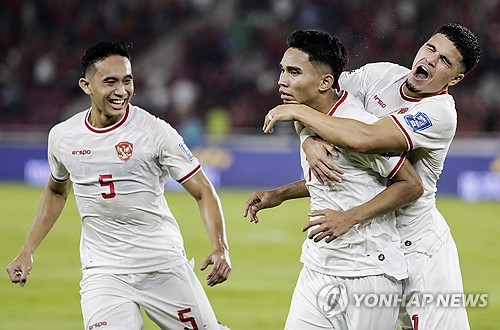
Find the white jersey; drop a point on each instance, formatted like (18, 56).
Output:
(373, 247)
(428, 126)
(118, 176)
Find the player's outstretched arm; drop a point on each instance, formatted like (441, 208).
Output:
(50, 207)
(379, 137)
(406, 187)
(265, 199)
(211, 213)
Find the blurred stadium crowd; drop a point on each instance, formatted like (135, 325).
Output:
(220, 74)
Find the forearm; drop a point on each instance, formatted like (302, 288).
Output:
(213, 219)
(352, 134)
(293, 190)
(390, 199)
(406, 187)
(50, 207)
(342, 132)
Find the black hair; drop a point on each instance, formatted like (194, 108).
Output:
(321, 47)
(465, 41)
(104, 50)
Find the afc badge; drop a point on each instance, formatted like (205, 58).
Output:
(418, 122)
(124, 150)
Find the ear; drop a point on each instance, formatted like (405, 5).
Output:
(457, 79)
(327, 82)
(84, 85)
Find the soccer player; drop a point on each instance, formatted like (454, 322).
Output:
(368, 258)
(118, 158)
(422, 120)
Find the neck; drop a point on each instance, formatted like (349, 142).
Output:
(100, 120)
(324, 104)
(419, 94)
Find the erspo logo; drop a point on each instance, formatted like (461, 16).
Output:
(98, 325)
(81, 152)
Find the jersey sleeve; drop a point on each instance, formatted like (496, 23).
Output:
(360, 82)
(305, 133)
(57, 169)
(429, 124)
(174, 155)
(354, 81)
(387, 165)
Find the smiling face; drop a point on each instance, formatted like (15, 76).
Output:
(109, 83)
(301, 81)
(436, 67)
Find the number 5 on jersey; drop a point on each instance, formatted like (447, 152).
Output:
(108, 184)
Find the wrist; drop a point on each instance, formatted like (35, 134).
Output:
(355, 216)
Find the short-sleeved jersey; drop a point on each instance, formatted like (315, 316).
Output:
(370, 248)
(118, 175)
(428, 126)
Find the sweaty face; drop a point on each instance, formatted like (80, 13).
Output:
(299, 78)
(110, 86)
(436, 66)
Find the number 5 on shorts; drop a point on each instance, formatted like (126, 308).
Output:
(182, 316)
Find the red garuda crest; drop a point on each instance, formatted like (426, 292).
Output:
(124, 150)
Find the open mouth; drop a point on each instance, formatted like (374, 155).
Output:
(421, 73)
(117, 103)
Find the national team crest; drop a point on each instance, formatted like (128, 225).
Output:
(124, 150)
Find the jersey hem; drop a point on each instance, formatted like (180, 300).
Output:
(120, 270)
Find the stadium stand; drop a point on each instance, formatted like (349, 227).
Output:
(203, 64)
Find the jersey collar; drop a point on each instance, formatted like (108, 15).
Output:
(106, 129)
(413, 99)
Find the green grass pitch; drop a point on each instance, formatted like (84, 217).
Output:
(264, 257)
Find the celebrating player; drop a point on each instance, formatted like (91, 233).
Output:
(368, 258)
(118, 158)
(422, 121)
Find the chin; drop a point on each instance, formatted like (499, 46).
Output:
(412, 87)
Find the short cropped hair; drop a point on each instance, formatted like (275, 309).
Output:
(322, 48)
(465, 41)
(104, 50)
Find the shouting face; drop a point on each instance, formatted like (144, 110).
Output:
(436, 67)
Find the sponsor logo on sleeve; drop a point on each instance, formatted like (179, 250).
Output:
(189, 155)
(418, 122)
(124, 150)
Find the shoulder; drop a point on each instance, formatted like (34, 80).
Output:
(353, 108)
(443, 105)
(149, 123)
(378, 67)
(436, 113)
(145, 120)
(69, 125)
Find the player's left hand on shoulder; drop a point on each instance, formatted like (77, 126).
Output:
(221, 267)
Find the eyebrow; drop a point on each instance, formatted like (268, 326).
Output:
(128, 76)
(290, 67)
(441, 54)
